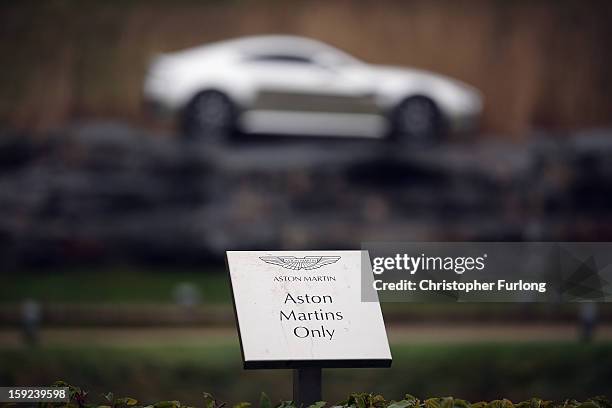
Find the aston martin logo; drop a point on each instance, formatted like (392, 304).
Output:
(294, 263)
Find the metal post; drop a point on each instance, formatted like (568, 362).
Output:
(306, 386)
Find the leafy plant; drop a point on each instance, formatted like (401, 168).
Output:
(79, 399)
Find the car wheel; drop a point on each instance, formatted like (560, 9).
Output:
(417, 119)
(209, 116)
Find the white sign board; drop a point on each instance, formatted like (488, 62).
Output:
(304, 309)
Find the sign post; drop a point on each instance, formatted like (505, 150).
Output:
(303, 310)
(307, 384)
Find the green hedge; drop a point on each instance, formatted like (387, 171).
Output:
(80, 399)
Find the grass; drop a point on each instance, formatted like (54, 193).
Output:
(552, 370)
(123, 285)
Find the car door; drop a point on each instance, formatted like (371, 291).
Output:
(297, 91)
(297, 83)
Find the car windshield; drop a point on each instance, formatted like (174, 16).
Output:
(335, 57)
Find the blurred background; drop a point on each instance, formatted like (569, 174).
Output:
(113, 227)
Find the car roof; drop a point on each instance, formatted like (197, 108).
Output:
(259, 44)
(265, 43)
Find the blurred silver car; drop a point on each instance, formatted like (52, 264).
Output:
(291, 85)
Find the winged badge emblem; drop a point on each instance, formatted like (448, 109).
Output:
(295, 263)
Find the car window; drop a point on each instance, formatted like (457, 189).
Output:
(281, 58)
